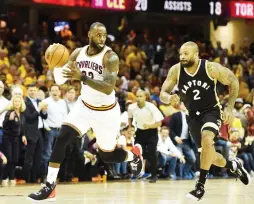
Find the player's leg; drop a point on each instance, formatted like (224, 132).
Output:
(205, 142)
(76, 124)
(106, 125)
(209, 155)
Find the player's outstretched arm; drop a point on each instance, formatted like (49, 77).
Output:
(169, 84)
(226, 77)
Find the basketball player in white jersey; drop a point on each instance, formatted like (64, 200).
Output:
(96, 66)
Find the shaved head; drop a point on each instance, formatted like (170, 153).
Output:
(97, 36)
(191, 45)
(95, 25)
(189, 54)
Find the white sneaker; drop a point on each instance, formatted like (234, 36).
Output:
(13, 183)
(5, 183)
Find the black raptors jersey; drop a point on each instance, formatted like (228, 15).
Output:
(198, 90)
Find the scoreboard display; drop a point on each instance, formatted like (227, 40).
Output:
(212, 8)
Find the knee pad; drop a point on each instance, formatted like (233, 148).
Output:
(66, 136)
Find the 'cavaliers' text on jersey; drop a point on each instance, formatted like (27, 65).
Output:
(198, 90)
(92, 66)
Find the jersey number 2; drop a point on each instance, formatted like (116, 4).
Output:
(89, 74)
(196, 96)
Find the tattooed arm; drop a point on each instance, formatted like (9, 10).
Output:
(107, 85)
(111, 68)
(226, 77)
(168, 86)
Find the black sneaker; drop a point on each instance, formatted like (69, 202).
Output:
(137, 164)
(153, 179)
(198, 193)
(47, 192)
(241, 173)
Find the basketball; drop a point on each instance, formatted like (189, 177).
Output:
(56, 55)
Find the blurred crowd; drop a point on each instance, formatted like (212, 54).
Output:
(144, 63)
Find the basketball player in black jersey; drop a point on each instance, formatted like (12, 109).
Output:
(196, 79)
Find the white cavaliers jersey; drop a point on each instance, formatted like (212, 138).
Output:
(92, 66)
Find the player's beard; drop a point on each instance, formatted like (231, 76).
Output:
(97, 47)
(187, 64)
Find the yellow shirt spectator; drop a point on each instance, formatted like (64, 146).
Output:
(22, 70)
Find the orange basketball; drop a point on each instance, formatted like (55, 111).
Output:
(56, 55)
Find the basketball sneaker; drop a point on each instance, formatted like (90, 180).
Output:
(240, 172)
(137, 164)
(47, 192)
(198, 193)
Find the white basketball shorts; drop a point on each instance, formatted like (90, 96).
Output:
(105, 122)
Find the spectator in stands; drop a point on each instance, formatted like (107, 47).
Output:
(13, 131)
(238, 149)
(87, 161)
(4, 102)
(179, 133)
(35, 112)
(168, 154)
(57, 112)
(125, 141)
(156, 95)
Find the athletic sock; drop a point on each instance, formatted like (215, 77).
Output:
(52, 174)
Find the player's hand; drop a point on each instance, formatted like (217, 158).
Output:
(228, 116)
(174, 99)
(74, 73)
(178, 140)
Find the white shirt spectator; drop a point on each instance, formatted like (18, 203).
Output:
(69, 105)
(4, 102)
(149, 114)
(167, 147)
(124, 118)
(57, 112)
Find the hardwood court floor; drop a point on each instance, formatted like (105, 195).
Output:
(136, 192)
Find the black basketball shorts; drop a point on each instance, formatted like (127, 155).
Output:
(206, 120)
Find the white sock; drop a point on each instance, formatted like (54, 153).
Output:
(52, 174)
(234, 165)
(130, 156)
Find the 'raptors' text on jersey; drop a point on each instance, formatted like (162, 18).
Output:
(198, 90)
(92, 66)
